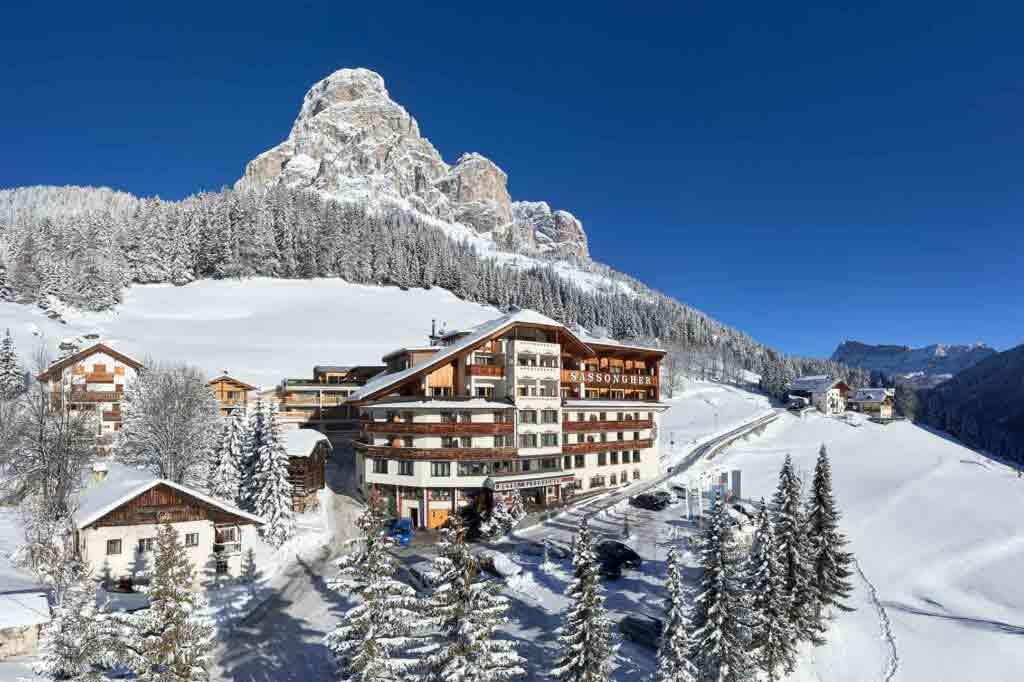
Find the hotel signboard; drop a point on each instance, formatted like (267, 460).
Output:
(532, 483)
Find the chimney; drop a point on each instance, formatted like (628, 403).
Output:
(99, 472)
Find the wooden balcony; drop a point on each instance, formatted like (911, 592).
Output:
(112, 416)
(80, 396)
(496, 371)
(625, 425)
(608, 446)
(439, 429)
(99, 377)
(437, 454)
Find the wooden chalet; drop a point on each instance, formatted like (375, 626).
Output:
(231, 393)
(307, 458)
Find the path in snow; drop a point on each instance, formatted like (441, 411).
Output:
(885, 625)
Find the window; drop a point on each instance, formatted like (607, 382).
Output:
(503, 441)
(636, 455)
(524, 465)
(549, 464)
(441, 392)
(465, 417)
(145, 545)
(636, 474)
(636, 435)
(528, 416)
(484, 391)
(528, 440)
(614, 457)
(577, 484)
(441, 494)
(466, 442)
(579, 417)
(621, 436)
(221, 566)
(549, 439)
(579, 462)
(407, 417)
(407, 441)
(501, 417)
(404, 468)
(380, 466)
(440, 469)
(474, 469)
(650, 416)
(113, 547)
(449, 418)
(622, 477)
(549, 416)
(226, 535)
(191, 539)
(567, 462)
(604, 437)
(391, 416)
(597, 482)
(602, 459)
(619, 417)
(604, 416)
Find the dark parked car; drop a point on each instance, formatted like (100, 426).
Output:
(649, 501)
(615, 551)
(643, 630)
(664, 495)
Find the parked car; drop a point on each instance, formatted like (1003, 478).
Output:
(648, 501)
(498, 564)
(664, 495)
(643, 630)
(613, 550)
(610, 568)
(401, 530)
(680, 490)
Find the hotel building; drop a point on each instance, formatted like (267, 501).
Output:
(321, 403)
(518, 403)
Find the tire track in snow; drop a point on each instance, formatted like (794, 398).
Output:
(884, 623)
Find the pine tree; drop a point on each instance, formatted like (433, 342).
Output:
(12, 377)
(585, 636)
(177, 639)
(673, 654)
(78, 642)
(500, 515)
(467, 613)
(369, 639)
(794, 555)
(769, 604)
(255, 436)
(228, 458)
(831, 565)
(720, 633)
(515, 505)
(271, 491)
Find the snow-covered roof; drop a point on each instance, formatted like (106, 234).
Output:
(301, 442)
(21, 609)
(409, 349)
(474, 404)
(818, 383)
(608, 341)
(869, 395)
(123, 483)
(479, 333)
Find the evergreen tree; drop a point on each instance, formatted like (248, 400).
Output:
(12, 376)
(77, 643)
(585, 636)
(467, 613)
(775, 648)
(500, 516)
(255, 437)
(271, 490)
(176, 639)
(369, 639)
(515, 506)
(673, 654)
(831, 564)
(228, 458)
(720, 633)
(795, 555)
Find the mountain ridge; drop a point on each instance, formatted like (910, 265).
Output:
(892, 359)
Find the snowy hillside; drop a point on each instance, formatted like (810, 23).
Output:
(261, 330)
(936, 530)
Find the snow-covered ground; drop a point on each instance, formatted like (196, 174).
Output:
(261, 329)
(936, 529)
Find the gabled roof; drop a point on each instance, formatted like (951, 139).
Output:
(301, 442)
(818, 383)
(869, 395)
(123, 484)
(233, 381)
(481, 333)
(82, 354)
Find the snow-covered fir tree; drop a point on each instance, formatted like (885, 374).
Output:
(371, 641)
(80, 641)
(585, 635)
(720, 640)
(673, 653)
(175, 639)
(12, 376)
(270, 490)
(228, 458)
(48, 549)
(500, 516)
(831, 564)
(795, 555)
(468, 612)
(774, 645)
(255, 435)
(514, 505)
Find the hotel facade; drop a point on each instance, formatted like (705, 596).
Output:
(518, 403)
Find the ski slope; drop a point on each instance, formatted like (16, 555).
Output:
(936, 529)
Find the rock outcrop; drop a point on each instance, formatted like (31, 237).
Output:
(351, 140)
(937, 359)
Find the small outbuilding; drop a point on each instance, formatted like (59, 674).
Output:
(307, 460)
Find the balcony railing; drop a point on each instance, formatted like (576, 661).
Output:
(497, 371)
(439, 429)
(112, 416)
(607, 446)
(227, 548)
(625, 425)
(435, 453)
(99, 377)
(80, 396)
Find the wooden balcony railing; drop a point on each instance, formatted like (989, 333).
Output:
(112, 416)
(439, 454)
(607, 446)
(439, 429)
(79, 396)
(99, 377)
(486, 371)
(625, 425)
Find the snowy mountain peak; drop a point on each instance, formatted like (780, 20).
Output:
(352, 141)
(894, 359)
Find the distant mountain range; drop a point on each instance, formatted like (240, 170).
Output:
(906, 362)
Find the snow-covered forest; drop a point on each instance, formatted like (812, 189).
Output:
(82, 246)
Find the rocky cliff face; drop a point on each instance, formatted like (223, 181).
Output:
(351, 140)
(901, 360)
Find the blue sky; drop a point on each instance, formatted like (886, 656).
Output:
(805, 173)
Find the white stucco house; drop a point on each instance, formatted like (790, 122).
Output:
(120, 511)
(825, 393)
